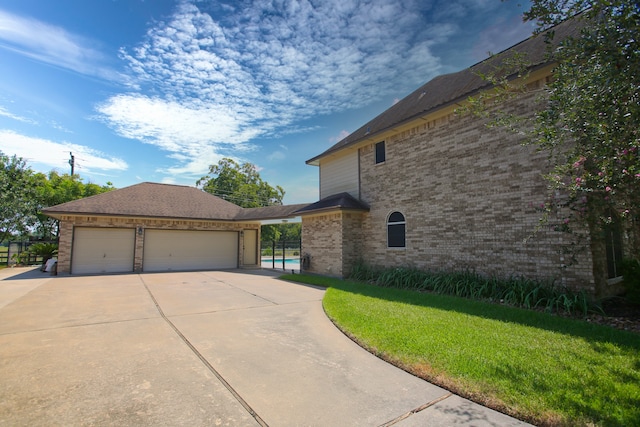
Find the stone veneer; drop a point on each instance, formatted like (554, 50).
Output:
(471, 198)
(68, 222)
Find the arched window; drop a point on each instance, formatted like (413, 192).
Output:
(396, 230)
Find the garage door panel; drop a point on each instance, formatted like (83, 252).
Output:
(102, 250)
(172, 250)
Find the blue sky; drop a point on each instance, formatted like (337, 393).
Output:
(158, 90)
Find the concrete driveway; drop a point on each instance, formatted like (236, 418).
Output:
(232, 348)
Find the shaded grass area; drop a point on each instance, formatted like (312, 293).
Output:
(545, 369)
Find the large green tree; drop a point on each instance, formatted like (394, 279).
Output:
(591, 122)
(17, 197)
(54, 189)
(588, 120)
(279, 232)
(240, 184)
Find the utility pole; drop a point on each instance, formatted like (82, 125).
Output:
(72, 162)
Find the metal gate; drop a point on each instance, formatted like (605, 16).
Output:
(282, 255)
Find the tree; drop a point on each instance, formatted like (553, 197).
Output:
(17, 196)
(591, 123)
(278, 232)
(55, 189)
(291, 232)
(589, 120)
(240, 184)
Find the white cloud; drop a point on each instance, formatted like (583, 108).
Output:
(258, 69)
(52, 45)
(6, 113)
(342, 135)
(168, 180)
(195, 135)
(276, 155)
(59, 127)
(500, 36)
(55, 155)
(222, 74)
(173, 126)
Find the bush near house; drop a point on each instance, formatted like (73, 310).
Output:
(631, 281)
(45, 251)
(515, 291)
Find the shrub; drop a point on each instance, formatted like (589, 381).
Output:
(21, 258)
(45, 250)
(515, 291)
(631, 279)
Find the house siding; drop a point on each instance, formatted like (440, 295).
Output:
(69, 222)
(340, 175)
(471, 198)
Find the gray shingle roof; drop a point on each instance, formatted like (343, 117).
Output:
(343, 201)
(449, 89)
(149, 199)
(154, 200)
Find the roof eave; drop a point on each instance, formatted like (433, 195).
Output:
(59, 214)
(330, 209)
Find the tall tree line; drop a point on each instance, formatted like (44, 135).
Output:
(24, 193)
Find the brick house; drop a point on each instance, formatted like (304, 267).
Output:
(154, 227)
(422, 186)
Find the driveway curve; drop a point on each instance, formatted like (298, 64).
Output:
(228, 348)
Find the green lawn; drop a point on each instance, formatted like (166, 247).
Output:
(545, 369)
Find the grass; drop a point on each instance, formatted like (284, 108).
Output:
(542, 368)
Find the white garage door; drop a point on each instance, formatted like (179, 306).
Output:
(102, 250)
(171, 250)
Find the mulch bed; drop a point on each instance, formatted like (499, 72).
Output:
(619, 314)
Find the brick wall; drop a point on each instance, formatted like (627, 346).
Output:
(68, 223)
(352, 240)
(322, 241)
(471, 198)
(333, 241)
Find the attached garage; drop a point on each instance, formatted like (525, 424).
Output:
(159, 227)
(173, 250)
(102, 250)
